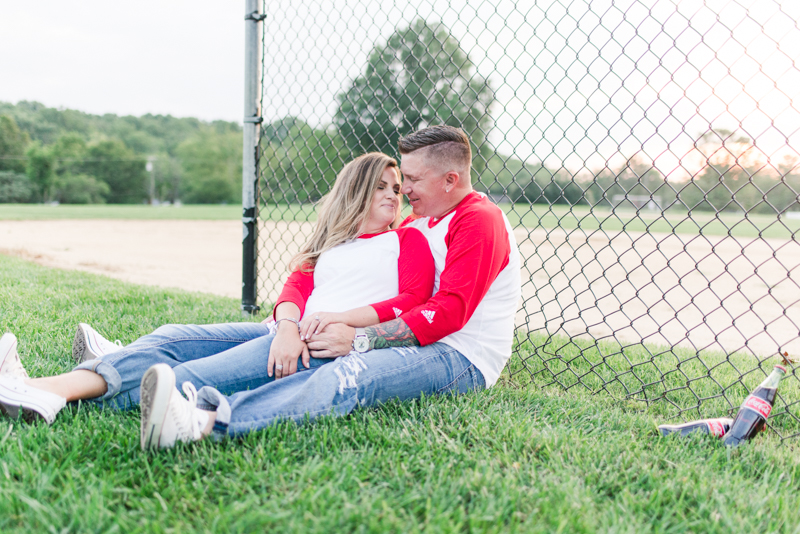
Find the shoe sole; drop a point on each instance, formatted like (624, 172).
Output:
(158, 383)
(15, 406)
(79, 345)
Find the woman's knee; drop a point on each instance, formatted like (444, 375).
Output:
(170, 330)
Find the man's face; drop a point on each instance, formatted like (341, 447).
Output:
(423, 185)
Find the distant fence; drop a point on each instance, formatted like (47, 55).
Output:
(645, 152)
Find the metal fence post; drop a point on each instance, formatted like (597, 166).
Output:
(252, 119)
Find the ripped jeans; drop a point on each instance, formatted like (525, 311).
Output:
(227, 363)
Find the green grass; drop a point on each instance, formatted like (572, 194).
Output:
(536, 216)
(668, 381)
(515, 458)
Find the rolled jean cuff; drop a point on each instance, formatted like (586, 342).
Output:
(109, 374)
(210, 399)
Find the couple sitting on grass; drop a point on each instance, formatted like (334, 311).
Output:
(370, 313)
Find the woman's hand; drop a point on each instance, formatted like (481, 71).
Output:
(284, 351)
(316, 323)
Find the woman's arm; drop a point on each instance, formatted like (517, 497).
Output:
(363, 316)
(297, 289)
(287, 346)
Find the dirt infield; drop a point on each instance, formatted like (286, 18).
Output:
(193, 255)
(702, 292)
(717, 293)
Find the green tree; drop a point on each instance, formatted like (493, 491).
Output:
(166, 175)
(13, 143)
(81, 189)
(723, 184)
(110, 161)
(212, 167)
(15, 187)
(420, 77)
(40, 170)
(299, 163)
(637, 178)
(70, 152)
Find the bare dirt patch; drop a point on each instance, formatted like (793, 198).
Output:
(193, 255)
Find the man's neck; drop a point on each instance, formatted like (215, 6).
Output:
(456, 201)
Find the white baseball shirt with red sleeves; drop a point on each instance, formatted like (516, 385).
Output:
(477, 285)
(392, 272)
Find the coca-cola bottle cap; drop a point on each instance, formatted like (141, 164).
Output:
(782, 368)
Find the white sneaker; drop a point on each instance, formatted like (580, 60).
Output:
(166, 416)
(16, 397)
(88, 344)
(10, 365)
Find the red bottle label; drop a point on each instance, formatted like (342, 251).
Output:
(716, 428)
(759, 405)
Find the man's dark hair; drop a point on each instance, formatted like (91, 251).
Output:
(445, 145)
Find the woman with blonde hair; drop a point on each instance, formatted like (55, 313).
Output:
(356, 268)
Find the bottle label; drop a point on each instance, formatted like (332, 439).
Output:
(716, 428)
(759, 405)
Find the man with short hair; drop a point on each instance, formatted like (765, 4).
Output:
(458, 341)
(477, 262)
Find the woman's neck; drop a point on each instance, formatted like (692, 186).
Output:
(373, 230)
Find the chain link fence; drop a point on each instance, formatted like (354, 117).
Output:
(645, 152)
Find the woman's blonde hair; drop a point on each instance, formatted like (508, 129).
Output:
(345, 208)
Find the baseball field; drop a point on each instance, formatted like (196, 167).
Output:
(521, 457)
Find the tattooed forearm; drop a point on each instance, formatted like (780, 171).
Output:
(394, 333)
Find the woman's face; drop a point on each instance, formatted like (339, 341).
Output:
(385, 203)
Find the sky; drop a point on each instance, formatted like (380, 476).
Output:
(579, 83)
(177, 57)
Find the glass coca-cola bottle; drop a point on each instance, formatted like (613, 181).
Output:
(717, 427)
(755, 409)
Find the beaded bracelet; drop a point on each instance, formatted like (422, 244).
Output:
(295, 321)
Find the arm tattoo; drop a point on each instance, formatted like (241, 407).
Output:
(395, 333)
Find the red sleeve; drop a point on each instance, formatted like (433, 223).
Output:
(297, 289)
(478, 249)
(416, 272)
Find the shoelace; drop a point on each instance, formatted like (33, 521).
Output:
(187, 414)
(16, 370)
(107, 346)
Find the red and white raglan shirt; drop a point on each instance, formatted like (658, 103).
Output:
(392, 271)
(477, 286)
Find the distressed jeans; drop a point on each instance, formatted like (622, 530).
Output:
(227, 363)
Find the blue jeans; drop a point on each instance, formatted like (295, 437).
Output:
(227, 363)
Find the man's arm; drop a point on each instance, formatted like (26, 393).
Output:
(395, 333)
(337, 338)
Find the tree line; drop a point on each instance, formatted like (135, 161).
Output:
(418, 77)
(49, 154)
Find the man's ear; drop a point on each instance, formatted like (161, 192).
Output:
(451, 180)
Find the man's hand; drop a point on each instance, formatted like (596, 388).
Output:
(336, 340)
(284, 351)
